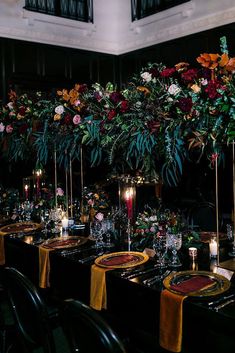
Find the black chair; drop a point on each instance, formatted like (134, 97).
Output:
(87, 331)
(34, 323)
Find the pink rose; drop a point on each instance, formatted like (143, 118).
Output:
(152, 229)
(90, 202)
(9, 129)
(77, 119)
(59, 192)
(99, 216)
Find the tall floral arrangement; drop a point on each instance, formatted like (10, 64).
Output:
(163, 116)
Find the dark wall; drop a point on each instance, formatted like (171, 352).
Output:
(29, 66)
(182, 49)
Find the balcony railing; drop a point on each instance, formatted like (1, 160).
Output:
(80, 10)
(144, 8)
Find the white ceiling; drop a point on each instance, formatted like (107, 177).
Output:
(112, 31)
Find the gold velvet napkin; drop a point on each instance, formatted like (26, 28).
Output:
(171, 320)
(171, 310)
(44, 267)
(98, 295)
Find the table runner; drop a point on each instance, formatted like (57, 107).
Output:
(44, 267)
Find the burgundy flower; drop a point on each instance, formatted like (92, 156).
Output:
(111, 114)
(168, 72)
(102, 128)
(82, 88)
(211, 89)
(67, 119)
(23, 128)
(22, 110)
(154, 72)
(124, 106)
(153, 125)
(116, 97)
(190, 75)
(185, 104)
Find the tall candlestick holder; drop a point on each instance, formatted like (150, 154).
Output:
(26, 189)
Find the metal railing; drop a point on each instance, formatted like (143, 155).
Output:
(144, 8)
(80, 10)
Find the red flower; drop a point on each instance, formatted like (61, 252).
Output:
(185, 104)
(211, 89)
(190, 75)
(168, 72)
(124, 106)
(22, 110)
(111, 114)
(67, 119)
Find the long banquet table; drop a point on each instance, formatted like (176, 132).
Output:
(132, 306)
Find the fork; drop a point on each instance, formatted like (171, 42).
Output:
(150, 281)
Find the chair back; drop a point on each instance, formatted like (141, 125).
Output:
(87, 331)
(29, 310)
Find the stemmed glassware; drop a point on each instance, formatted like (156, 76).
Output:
(97, 233)
(160, 247)
(174, 243)
(107, 229)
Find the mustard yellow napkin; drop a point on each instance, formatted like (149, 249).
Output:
(98, 295)
(171, 320)
(2, 249)
(44, 267)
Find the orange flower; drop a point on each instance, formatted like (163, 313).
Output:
(182, 66)
(143, 89)
(64, 94)
(208, 60)
(230, 65)
(57, 117)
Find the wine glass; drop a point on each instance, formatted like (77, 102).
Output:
(107, 228)
(160, 247)
(174, 243)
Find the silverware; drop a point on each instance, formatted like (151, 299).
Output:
(227, 302)
(220, 300)
(129, 274)
(150, 281)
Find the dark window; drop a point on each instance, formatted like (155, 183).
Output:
(80, 10)
(144, 8)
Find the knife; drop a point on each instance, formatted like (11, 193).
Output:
(218, 307)
(221, 300)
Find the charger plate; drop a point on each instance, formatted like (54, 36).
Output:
(63, 242)
(211, 283)
(23, 227)
(122, 259)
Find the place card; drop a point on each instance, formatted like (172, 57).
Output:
(224, 272)
(149, 252)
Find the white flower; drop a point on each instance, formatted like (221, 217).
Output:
(153, 218)
(59, 109)
(2, 127)
(146, 76)
(174, 89)
(10, 105)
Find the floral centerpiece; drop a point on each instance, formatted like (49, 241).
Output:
(151, 223)
(94, 201)
(164, 116)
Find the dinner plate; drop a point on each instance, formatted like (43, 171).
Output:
(63, 242)
(23, 227)
(196, 283)
(122, 259)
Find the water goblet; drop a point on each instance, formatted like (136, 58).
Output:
(160, 247)
(107, 228)
(174, 243)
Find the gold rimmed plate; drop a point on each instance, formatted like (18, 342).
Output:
(64, 242)
(122, 259)
(21, 227)
(196, 283)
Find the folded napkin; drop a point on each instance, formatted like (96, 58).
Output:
(193, 284)
(98, 295)
(44, 267)
(171, 311)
